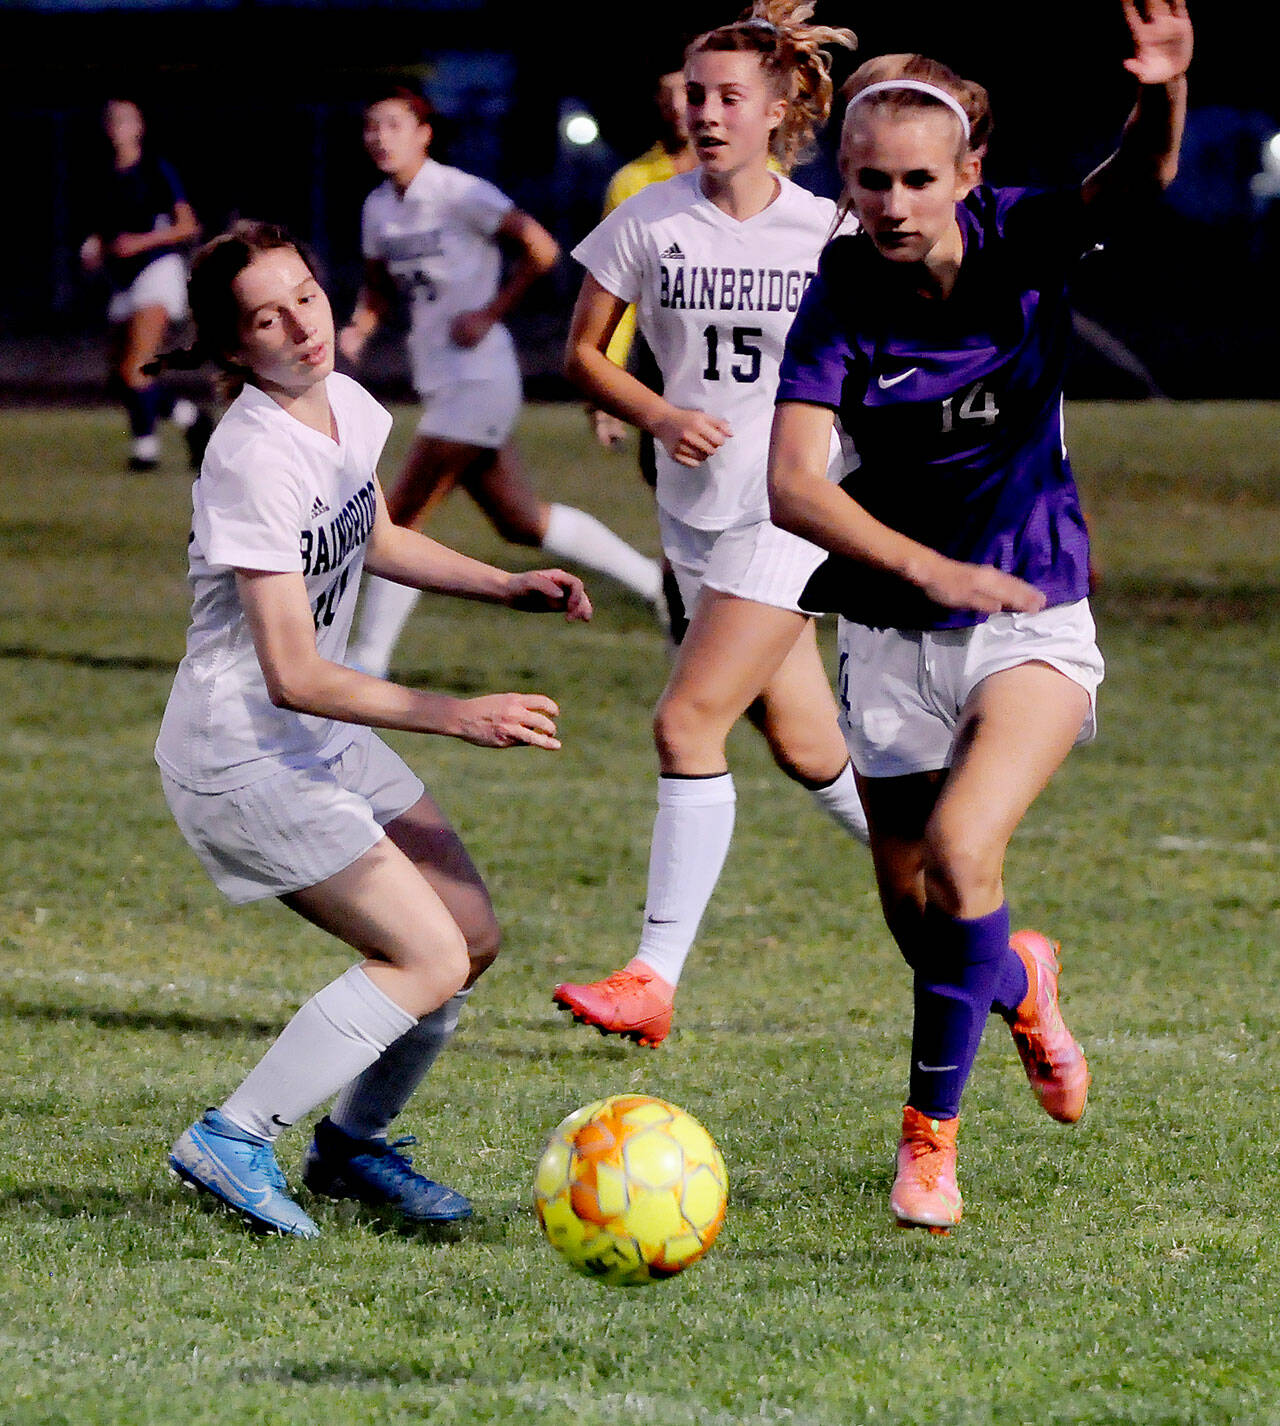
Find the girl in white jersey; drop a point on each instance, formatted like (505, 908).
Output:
(715, 262)
(269, 763)
(435, 236)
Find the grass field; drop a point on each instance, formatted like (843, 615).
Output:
(1124, 1270)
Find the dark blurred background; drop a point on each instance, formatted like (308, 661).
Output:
(257, 103)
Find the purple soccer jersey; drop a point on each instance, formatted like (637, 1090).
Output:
(955, 405)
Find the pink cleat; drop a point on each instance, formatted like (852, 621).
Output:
(925, 1193)
(1054, 1062)
(634, 1001)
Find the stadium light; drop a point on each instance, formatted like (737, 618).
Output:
(1265, 184)
(577, 126)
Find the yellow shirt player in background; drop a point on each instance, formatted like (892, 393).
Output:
(671, 153)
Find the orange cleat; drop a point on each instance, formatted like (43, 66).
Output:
(925, 1193)
(634, 1001)
(1054, 1062)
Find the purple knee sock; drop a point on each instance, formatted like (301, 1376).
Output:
(967, 968)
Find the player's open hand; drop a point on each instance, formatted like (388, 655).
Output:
(689, 437)
(956, 585)
(549, 591)
(1162, 39)
(509, 720)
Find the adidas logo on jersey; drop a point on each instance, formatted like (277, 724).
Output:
(318, 507)
(673, 252)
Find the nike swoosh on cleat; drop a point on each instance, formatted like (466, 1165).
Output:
(217, 1175)
(885, 382)
(660, 920)
(283, 1123)
(935, 1069)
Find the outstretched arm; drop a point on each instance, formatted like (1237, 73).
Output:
(1147, 156)
(804, 501)
(401, 554)
(298, 678)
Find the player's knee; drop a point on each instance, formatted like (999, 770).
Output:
(442, 962)
(130, 375)
(483, 944)
(516, 528)
(684, 727)
(961, 870)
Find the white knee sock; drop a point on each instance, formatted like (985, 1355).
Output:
(366, 1107)
(840, 799)
(691, 836)
(335, 1036)
(575, 535)
(384, 607)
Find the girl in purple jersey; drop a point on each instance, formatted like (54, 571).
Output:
(959, 558)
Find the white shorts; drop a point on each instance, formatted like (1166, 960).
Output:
(477, 409)
(162, 283)
(758, 562)
(901, 692)
(299, 826)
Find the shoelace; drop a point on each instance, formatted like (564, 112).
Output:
(399, 1164)
(625, 981)
(923, 1148)
(262, 1160)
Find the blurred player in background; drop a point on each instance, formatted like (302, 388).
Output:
(268, 758)
(715, 262)
(670, 154)
(939, 334)
(140, 224)
(436, 237)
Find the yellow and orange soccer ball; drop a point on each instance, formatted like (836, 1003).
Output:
(630, 1189)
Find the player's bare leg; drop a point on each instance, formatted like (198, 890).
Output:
(134, 343)
(431, 470)
(796, 713)
(349, 1156)
(415, 961)
(502, 490)
(939, 843)
(735, 652)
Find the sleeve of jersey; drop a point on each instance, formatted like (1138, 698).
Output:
(483, 206)
(611, 254)
(172, 181)
(817, 355)
(249, 511)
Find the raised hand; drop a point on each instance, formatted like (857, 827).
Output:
(1162, 39)
(549, 591)
(508, 720)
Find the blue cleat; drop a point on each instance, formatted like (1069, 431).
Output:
(374, 1172)
(222, 1159)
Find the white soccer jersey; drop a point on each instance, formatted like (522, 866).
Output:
(272, 495)
(714, 299)
(437, 241)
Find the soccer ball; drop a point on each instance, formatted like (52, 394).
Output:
(629, 1189)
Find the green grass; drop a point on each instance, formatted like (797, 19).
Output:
(1121, 1271)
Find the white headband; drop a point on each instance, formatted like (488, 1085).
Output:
(920, 87)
